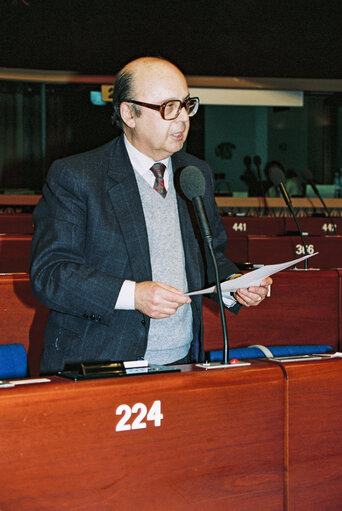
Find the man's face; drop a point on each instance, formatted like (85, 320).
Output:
(152, 135)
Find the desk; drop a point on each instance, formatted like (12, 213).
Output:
(242, 226)
(17, 223)
(237, 249)
(267, 250)
(304, 308)
(15, 253)
(314, 226)
(220, 444)
(314, 435)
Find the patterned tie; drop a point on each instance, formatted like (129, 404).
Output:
(158, 170)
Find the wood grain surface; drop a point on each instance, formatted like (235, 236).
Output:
(220, 444)
(304, 308)
(15, 252)
(314, 435)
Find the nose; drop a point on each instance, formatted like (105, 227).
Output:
(183, 115)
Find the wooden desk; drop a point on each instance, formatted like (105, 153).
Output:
(304, 308)
(242, 226)
(15, 253)
(314, 226)
(237, 249)
(272, 250)
(340, 308)
(20, 223)
(314, 435)
(303, 206)
(220, 444)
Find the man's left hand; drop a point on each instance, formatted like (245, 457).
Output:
(254, 295)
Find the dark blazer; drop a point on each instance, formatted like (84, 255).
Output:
(90, 235)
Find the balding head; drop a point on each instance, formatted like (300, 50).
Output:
(143, 72)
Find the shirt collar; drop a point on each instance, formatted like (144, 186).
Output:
(142, 164)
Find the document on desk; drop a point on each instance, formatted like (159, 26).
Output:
(252, 278)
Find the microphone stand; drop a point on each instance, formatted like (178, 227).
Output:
(317, 192)
(221, 306)
(207, 236)
(289, 204)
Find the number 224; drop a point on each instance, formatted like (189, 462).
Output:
(153, 414)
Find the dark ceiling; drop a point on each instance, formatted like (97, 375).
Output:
(224, 37)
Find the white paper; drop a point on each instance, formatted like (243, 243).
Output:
(252, 278)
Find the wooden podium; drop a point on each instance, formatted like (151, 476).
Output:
(219, 444)
(262, 437)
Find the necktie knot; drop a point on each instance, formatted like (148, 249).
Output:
(158, 170)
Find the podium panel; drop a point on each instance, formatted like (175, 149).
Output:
(314, 435)
(17, 223)
(303, 309)
(239, 226)
(340, 310)
(214, 440)
(14, 253)
(265, 250)
(315, 226)
(237, 249)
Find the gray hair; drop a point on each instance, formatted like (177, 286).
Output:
(122, 91)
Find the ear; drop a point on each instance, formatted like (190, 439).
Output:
(127, 114)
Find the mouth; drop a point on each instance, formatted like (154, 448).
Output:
(178, 135)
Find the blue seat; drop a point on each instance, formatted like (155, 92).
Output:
(13, 361)
(276, 351)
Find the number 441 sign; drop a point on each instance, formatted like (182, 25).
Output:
(141, 416)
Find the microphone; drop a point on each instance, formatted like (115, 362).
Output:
(277, 177)
(307, 176)
(192, 183)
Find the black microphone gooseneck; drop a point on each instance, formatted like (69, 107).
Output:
(192, 183)
(277, 177)
(307, 175)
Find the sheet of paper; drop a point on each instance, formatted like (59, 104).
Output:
(252, 278)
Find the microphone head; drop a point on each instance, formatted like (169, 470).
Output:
(277, 176)
(307, 175)
(192, 182)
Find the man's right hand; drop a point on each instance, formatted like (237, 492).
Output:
(158, 300)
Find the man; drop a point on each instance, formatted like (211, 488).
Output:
(112, 257)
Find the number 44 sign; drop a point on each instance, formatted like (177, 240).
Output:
(142, 415)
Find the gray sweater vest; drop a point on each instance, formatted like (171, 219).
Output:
(168, 339)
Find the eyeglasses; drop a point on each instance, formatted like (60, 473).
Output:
(171, 109)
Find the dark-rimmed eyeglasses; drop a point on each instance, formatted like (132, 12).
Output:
(171, 109)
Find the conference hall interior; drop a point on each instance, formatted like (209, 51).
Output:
(254, 423)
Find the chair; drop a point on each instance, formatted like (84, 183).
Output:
(261, 351)
(13, 361)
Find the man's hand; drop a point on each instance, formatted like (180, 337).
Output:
(253, 295)
(158, 300)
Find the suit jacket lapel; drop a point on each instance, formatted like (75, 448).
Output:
(124, 195)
